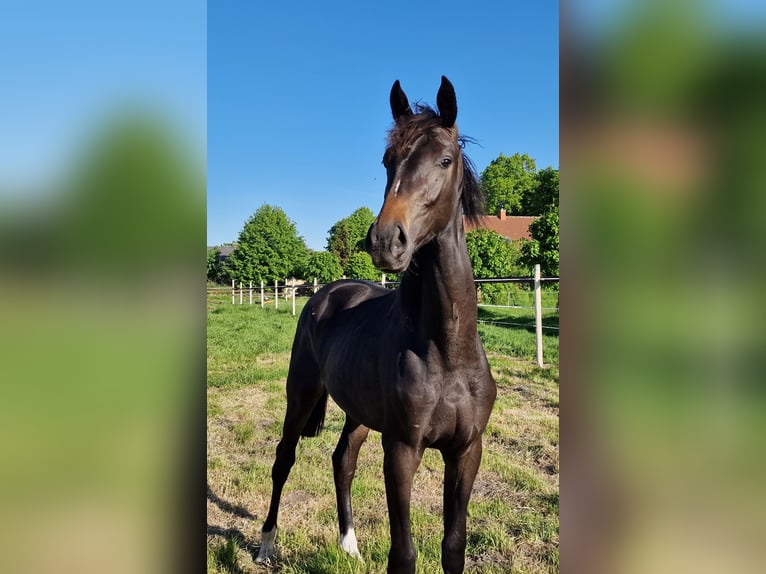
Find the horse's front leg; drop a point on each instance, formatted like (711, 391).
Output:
(400, 461)
(459, 473)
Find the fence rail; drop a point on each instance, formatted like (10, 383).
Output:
(243, 291)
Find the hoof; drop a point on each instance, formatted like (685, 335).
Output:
(349, 545)
(267, 546)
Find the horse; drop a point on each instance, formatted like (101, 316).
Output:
(407, 363)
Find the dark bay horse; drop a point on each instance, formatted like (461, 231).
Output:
(407, 363)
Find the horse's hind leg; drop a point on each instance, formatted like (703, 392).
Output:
(344, 465)
(306, 403)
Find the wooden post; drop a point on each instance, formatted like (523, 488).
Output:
(538, 316)
(276, 294)
(261, 294)
(293, 297)
(240, 292)
(315, 284)
(382, 279)
(251, 292)
(232, 291)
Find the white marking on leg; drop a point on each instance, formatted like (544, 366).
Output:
(267, 545)
(348, 544)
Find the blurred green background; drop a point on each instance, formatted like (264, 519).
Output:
(102, 246)
(663, 236)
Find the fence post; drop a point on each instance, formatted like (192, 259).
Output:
(382, 279)
(261, 293)
(315, 284)
(251, 292)
(232, 291)
(538, 316)
(240, 292)
(276, 294)
(293, 297)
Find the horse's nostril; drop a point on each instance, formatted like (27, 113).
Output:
(400, 242)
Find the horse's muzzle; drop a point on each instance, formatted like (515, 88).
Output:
(389, 246)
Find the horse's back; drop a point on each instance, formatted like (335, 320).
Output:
(341, 316)
(343, 295)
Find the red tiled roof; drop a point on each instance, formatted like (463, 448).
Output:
(511, 226)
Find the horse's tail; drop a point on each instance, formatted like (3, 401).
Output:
(316, 420)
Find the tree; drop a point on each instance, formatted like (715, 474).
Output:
(544, 246)
(506, 180)
(213, 265)
(323, 265)
(269, 248)
(347, 236)
(544, 195)
(490, 253)
(360, 267)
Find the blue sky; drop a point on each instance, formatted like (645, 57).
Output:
(297, 93)
(298, 97)
(66, 66)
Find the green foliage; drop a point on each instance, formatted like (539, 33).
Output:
(515, 184)
(360, 267)
(491, 254)
(269, 248)
(506, 180)
(347, 236)
(212, 263)
(323, 265)
(544, 246)
(545, 194)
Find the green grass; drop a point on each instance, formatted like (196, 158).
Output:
(222, 556)
(247, 344)
(511, 332)
(513, 521)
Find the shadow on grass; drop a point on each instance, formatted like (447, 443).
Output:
(225, 553)
(226, 506)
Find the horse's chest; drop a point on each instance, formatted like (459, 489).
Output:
(439, 403)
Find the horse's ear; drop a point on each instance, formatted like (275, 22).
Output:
(400, 106)
(446, 101)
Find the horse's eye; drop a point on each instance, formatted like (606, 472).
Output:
(446, 162)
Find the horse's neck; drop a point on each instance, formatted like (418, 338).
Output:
(438, 292)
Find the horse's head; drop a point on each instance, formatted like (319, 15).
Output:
(427, 177)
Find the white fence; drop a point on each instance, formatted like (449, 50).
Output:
(267, 294)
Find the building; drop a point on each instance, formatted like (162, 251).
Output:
(224, 251)
(512, 227)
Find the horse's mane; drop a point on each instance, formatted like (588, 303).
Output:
(424, 121)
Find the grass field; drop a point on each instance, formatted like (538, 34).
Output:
(513, 513)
